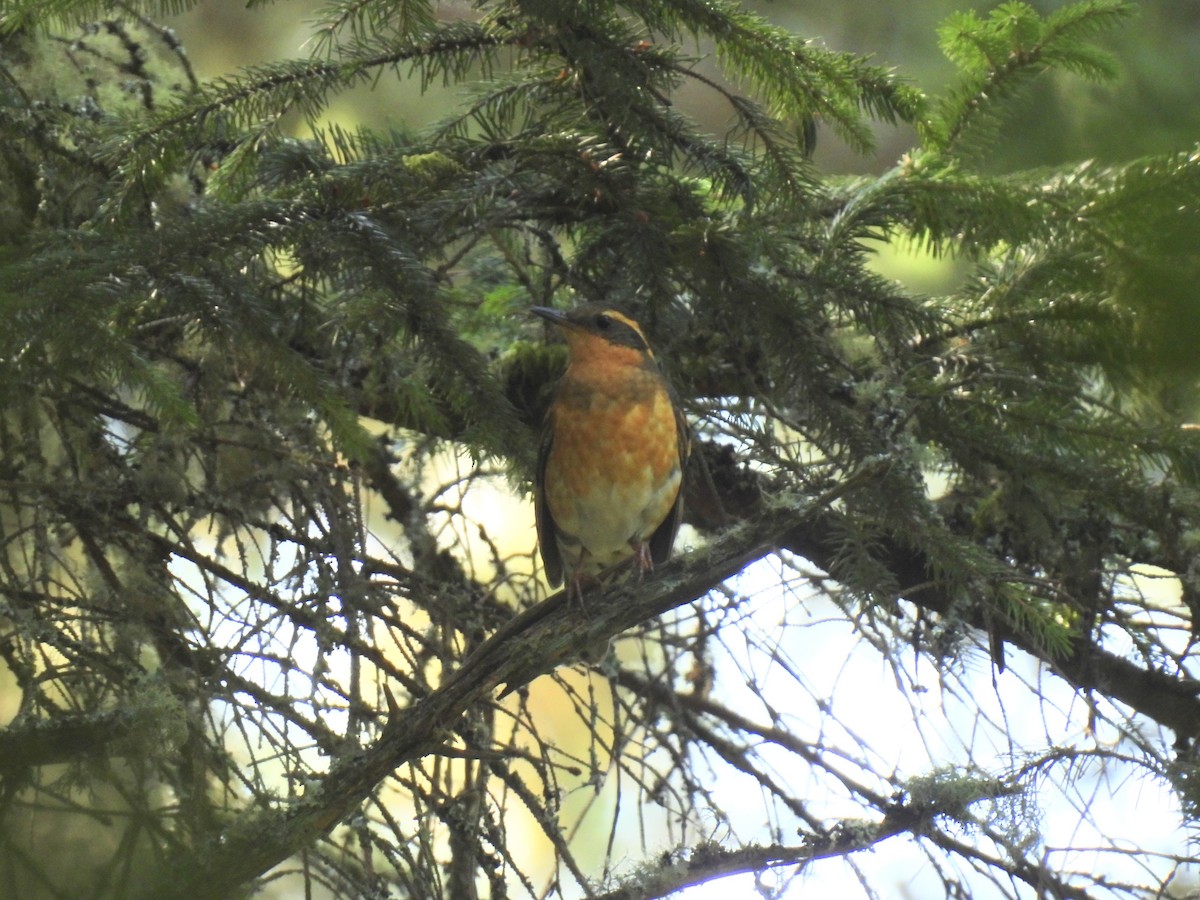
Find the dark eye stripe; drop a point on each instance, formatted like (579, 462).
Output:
(612, 325)
(622, 330)
(625, 335)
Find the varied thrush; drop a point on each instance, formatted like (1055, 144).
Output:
(610, 467)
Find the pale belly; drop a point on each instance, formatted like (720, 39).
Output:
(611, 520)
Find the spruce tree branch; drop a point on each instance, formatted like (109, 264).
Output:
(708, 861)
(69, 738)
(1051, 49)
(313, 71)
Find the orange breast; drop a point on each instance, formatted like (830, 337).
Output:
(614, 471)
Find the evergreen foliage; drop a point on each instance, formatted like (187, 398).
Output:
(260, 392)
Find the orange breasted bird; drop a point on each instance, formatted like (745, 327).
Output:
(610, 467)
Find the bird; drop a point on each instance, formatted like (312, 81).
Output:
(614, 449)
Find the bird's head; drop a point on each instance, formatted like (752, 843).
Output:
(596, 331)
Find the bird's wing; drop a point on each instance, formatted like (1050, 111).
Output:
(664, 536)
(546, 530)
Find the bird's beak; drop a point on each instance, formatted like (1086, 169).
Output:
(550, 315)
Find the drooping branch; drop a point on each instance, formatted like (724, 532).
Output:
(708, 860)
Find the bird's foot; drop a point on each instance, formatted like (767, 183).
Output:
(641, 559)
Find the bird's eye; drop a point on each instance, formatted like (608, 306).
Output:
(604, 321)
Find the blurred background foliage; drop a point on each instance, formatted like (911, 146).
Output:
(1151, 108)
